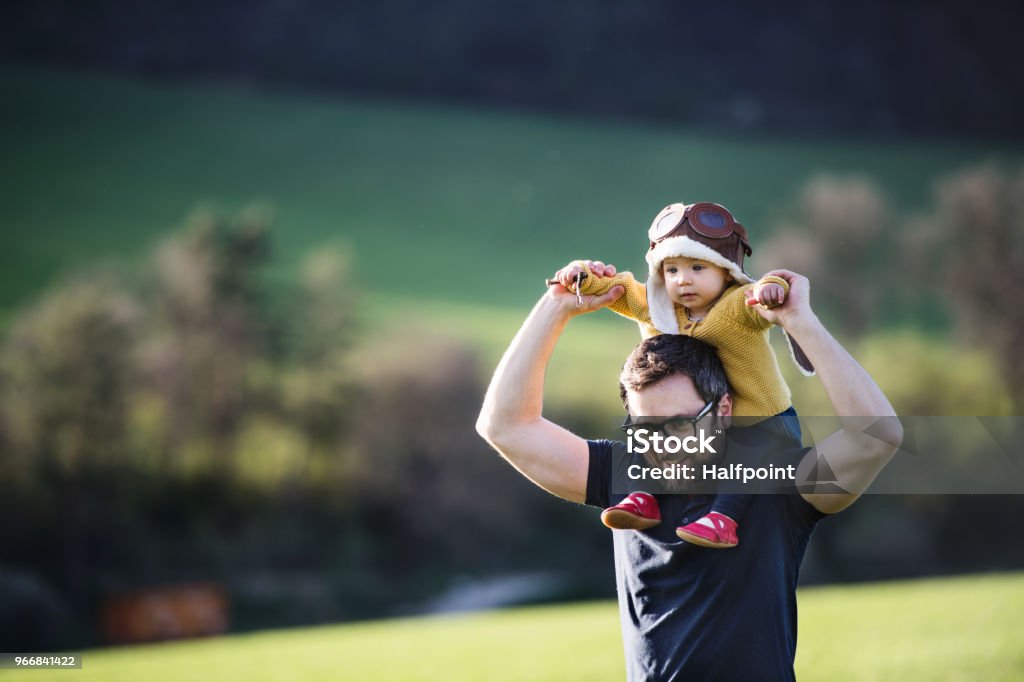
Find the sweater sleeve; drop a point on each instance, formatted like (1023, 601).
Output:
(632, 304)
(735, 302)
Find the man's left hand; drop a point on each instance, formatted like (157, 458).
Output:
(796, 303)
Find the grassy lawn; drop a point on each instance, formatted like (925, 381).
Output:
(584, 370)
(438, 203)
(949, 629)
(943, 629)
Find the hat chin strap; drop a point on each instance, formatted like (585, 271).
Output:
(661, 307)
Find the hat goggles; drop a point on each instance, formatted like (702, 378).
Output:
(712, 221)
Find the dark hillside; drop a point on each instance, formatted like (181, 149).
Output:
(872, 67)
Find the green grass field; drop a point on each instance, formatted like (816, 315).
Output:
(454, 215)
(438, 203)
(583, 373)
(944, 629)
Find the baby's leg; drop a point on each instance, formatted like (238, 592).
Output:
(732, 505)
(787, 425)
(717, 529)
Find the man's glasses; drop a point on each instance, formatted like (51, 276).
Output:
(680, 427)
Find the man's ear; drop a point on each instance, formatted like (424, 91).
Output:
(725, 406)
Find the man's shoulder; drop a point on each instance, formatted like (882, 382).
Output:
(795, 510)
(603, 454)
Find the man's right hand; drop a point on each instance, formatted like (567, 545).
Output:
(511, 418)
(564, 292)
(567, 275)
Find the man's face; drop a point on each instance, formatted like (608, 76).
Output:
(676, 396)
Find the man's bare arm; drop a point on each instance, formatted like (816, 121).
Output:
(853, 457)
(511, 420)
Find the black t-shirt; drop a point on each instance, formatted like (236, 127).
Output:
(694, 613)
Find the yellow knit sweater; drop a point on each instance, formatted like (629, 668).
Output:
(737, 330)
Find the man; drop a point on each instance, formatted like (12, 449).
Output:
(688, 612)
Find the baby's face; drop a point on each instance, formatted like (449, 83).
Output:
(694, 283)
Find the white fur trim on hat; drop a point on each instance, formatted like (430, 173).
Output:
(663, 311)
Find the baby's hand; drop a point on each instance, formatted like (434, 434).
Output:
(567, 275)
(770, 295)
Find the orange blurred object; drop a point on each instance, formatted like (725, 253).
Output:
(173, 612)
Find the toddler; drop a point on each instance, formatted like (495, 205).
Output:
(696, 286)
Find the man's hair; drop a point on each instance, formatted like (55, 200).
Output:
(663, 356)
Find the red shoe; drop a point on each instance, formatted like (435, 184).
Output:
(639, 511)
(714, 530)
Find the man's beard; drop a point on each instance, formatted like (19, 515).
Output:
(696, 462)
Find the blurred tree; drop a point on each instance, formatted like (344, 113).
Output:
(973, 244)
(908, 364)
(318, 387)
(210, 329)
(329, 301)
(840, 239)
(67, 370)
(417, 453)
(143, 420)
